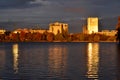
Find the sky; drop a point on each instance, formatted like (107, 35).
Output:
(73, 12)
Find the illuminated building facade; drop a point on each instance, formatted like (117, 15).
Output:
(37, 30)
(21, 30)
(108, 32)
(92, 25)
(2, 31)
(57, 27)
(30, 30)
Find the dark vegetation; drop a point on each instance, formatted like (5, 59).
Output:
(50, 37)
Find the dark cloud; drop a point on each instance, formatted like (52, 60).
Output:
(6, 4)
(70, 11)
(109, 3)
(74, 10)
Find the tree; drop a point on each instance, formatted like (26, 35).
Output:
(103, 37)
(65, 34)
(50, 37)
(7, 33)
(37, 37)
(22, 36)
(91, 37)
(96, 38)
(118, 29)
(59, 37)
(81, 37)
(7, 36)
(14, 37)
(2, 37)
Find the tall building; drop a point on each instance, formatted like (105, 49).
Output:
(58, 27)
(92, 25)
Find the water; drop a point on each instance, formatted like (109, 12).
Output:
(59, 61)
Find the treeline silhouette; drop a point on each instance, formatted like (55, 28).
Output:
(50, 37)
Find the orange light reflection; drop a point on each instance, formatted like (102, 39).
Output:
(57, 59)
(15, 57)
(93, 60)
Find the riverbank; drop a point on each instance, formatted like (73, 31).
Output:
(59, 41)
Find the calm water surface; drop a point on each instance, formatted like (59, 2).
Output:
(59, 61)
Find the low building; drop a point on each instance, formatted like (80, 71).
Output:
(57, 27)
(2, 31)
(21, 30)
(108, 33)
(38, 30)
(30, 30)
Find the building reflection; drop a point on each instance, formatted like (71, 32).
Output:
(57, 59)
(93, 60)
(15, 57)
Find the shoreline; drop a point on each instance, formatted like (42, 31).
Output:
(60, 42)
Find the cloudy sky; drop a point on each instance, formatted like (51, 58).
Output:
(73, 12)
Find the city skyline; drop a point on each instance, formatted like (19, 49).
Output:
(73, 12)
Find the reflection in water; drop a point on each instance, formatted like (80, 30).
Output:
(15, 57)
(57, 59)
(118, 62)
(2, 58)
(93, 60)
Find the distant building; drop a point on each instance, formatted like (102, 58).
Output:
(57, 27)
(38, 30)
(92, 25)
(30, 30)
(21, 30)
(2, 31)
(109, 33)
